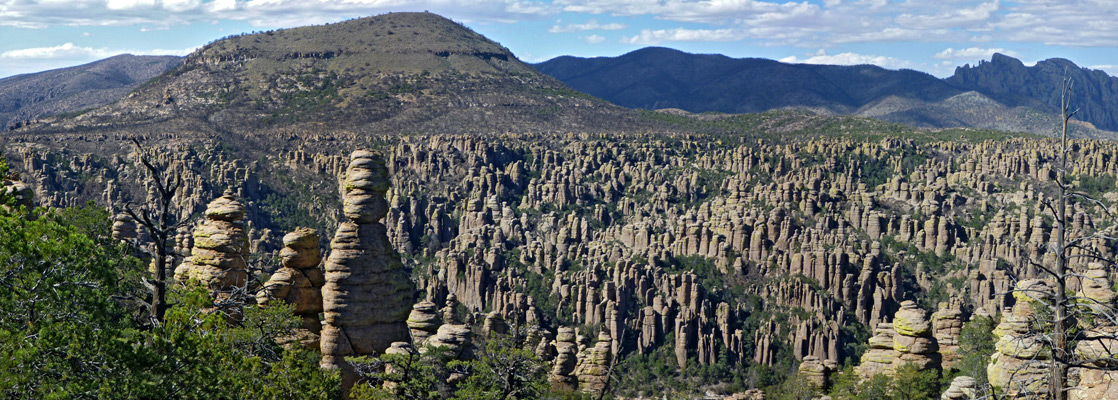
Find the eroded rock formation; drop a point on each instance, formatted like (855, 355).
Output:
(218, 258)
(1019, 366)
(299, 283)
(368, 294)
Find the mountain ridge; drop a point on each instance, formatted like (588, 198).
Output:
(650, 78)
(26, 97)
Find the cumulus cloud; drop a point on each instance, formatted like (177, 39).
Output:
(593, 39)
(651, 37)
(591, 25)
(63, 51)
(821, 57)
(973, 53)
(959, 17)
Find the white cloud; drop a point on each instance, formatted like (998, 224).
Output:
(591, 25)
(217, 6)
(181, 5)
(37, 59)
(128, 4)
(593, 39)
(651, 37)
(821, 57)
(64, 51)
(972, 53)
(958, 17)
(1110, 69)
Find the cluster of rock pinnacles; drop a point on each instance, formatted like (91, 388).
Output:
(362, 290)
(676, 304)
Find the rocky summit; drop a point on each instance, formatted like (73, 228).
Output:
(396, 205)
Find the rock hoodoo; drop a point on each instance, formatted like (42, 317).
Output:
(299, 282)
(594, 364)
(423, 321)
(20, 191)
(217, 259)
(563, 366)
(1019, 365)
(368, 294)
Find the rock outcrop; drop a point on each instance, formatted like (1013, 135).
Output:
(907, 340)
(368, 294)
(817, 371)
(914, 342)
(562, 377)
(21, 192)
(423, 322)
(124, 227)
(1100, 338)
(961, 388)
(457, 340)
(299, 283)
(594, 364)
(1019, 366)
(947, 325)
(880, 357)
(218, 258)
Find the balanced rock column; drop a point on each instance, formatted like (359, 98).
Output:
(368, 293)
(594, 363)
(914, 342)
(947, 326)
(816, 371)
(217, 259)
(1099, 340)
(562, 377)
(299, 282)
(1019, 365)
(880, 356)
(423, 321)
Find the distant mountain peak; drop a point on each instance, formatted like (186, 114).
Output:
(1010, 82)
(999, 58)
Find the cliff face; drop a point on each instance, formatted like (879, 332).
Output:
(1009, 81)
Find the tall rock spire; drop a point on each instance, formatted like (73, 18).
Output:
(368, 294)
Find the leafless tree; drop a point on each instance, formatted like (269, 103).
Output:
(161, 222)
(1067, 323)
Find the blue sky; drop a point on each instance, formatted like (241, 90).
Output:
(926, 35)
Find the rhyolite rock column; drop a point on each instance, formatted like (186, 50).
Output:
(423, 322)
(1019, 366)
(299, 283)
(562, 376)
(914, 342)
(217, 259)
(1099, 341)
(368, 294)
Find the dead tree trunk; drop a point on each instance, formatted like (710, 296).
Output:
(160, 220)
